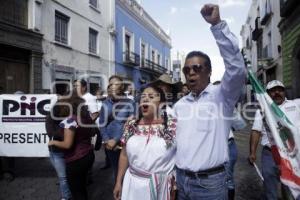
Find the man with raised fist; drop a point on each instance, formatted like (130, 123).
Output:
(204, 116)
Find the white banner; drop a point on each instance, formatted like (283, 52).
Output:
(22, 125)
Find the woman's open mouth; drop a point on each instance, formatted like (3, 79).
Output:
(144, 108)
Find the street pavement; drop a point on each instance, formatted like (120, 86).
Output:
(36, 179)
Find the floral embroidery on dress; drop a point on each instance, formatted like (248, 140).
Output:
(168, 134)
(130, 128)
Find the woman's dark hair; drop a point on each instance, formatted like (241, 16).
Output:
(73, 105)
(82, 82)
(161, 93)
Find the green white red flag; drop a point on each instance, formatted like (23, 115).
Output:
(285, 136)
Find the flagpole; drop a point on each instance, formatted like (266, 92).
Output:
(258, 171)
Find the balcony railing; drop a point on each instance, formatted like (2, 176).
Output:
(152, 66)
(256, 33)
(131, 58)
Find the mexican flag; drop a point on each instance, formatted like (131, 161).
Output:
(284, 138)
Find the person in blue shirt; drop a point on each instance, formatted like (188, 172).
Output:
(115, 111)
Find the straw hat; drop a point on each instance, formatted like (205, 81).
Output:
(165, 78)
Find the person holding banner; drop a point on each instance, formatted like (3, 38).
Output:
(56, 154)
(260, 129)
(79, 154)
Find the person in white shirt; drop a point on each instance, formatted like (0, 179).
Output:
(291, 109)
(204, 116)
(130, 92)
(90, 100)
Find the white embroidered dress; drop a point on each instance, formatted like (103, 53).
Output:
(151, 157)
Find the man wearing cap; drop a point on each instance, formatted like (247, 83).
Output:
(204, 116)
(291, 109)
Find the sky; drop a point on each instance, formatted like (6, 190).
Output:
(189, 31)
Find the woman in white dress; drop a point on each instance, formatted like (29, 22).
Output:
(147, 159)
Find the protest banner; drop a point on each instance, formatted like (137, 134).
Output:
(22, 124)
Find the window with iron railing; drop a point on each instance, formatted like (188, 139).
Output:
(143, 54)
(158, 59)
(127, 46)
(93, 34)
(61, 27)
(153, 56)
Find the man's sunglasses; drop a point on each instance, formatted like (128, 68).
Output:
(197, 68)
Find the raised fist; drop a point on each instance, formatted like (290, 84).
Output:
(211, 14)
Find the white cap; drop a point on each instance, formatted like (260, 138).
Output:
(274, 83)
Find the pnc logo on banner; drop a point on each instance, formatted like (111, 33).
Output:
(23, 108)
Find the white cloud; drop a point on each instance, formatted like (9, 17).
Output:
(229, 20)
(229, 3)
(173, 10)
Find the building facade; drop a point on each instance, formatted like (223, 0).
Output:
(20, 49)
(290, 30)
(142, 47)
(77, 42)
(262, 40)
(176, 70)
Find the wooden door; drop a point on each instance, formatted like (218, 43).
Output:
(14, 77)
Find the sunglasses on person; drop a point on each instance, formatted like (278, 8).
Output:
(197, 68)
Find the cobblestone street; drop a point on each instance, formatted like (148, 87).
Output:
(35, 178)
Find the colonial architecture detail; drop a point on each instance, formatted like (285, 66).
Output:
(142, 47)
(262, 40)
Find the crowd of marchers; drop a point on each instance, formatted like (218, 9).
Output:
(156, 151)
